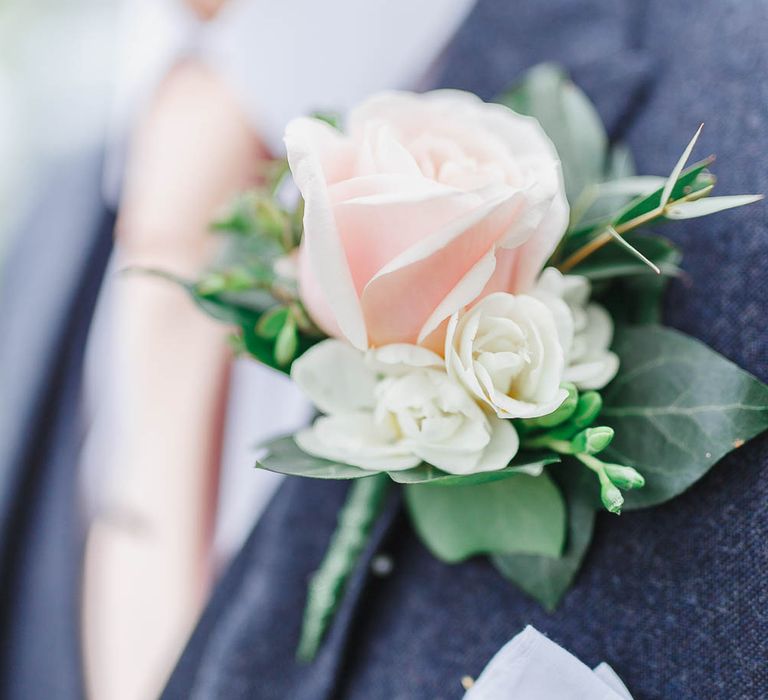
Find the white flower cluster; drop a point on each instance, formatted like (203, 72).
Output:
(399, 405)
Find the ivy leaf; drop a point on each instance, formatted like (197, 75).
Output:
(547, 578)
(519, 514)
(531, 463)
(569, 119)
(677, 408)
(284, 456)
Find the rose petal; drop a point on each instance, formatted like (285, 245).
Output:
(502, 448)
(379, 151)
(503, 444)
(434, 267)
(594, 374)
(400, 357)
(313, 151)
(335, 377)
(598, 333)
(353, 438)
(377, 229)
(465, 292)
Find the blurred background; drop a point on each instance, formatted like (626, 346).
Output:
(56, 66)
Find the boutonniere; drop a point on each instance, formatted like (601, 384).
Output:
(469, 294)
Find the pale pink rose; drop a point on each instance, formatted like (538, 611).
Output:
(425, 204)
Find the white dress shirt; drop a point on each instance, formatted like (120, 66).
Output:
(282, 59)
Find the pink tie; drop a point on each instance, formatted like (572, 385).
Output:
(147, 569)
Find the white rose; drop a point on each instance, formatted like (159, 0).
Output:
(506, 351)
(384, 420)
(586, 332)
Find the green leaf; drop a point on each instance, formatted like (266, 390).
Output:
(519, 514)
(677, 408)
(260, 348)
(331, 118)
(524, 463)
(287, 343)
(614, 261)
(284, 457)
(272, 322)
(545, 578)
(637, 299)
(666, 193)
(695, 180)
(561, 414)
(569, 119)
(710, 205)
(254, 214)
(327, 586)
(632, 186)
(692, 180)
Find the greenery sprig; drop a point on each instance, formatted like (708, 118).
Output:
(569, 431)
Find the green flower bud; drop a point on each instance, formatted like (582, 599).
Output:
(624, 477)
(610, 494)
(592, 440)
(588, 408)
(561, 414)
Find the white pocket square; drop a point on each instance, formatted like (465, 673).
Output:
(533, 667)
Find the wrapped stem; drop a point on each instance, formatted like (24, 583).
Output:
(356, 518)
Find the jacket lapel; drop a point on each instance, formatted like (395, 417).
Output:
(595, 40)
(51, 258)
(50, 287)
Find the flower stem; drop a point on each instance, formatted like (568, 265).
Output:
(562, 447)
(609, 492)
(606, 236)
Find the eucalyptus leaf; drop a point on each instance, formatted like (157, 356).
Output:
(677, 408)
(284, 457)
(569, 120)
(545, 578)
(521, 514)
(531, 463)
